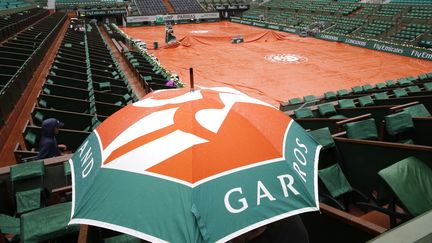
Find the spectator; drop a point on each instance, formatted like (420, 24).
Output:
(48, 146)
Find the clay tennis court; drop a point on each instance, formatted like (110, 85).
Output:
(272, 66)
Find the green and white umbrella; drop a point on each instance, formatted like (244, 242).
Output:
(194, 166)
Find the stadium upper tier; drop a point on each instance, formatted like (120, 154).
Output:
(409, 24)
(8, 4)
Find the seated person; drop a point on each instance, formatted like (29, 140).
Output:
(48, 146)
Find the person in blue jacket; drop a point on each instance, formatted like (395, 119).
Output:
(48, 146)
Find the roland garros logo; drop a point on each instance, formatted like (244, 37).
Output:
(286, 58)
(157, 136)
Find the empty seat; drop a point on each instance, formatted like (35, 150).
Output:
(309, 98)
(328, 110)
(294, 101)
(397, 125)
(417, 111)
(330, 95)
(364, 130)
(303, 113)
(365, 101)
(381, 96)
(346, 103)
(400, 93)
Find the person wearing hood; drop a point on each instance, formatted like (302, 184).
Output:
(48, 146)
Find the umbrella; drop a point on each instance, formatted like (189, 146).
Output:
(194, 166)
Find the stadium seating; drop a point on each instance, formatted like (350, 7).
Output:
(144, 66)
(88, 4)
(376, 28)
(8, 4)
(19, 58)
(410, 32)
(398, 23)
(151, 7)
(84, 86)
(186, 6)
(411, 1)
(12, 23)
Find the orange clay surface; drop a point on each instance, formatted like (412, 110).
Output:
(317, 66)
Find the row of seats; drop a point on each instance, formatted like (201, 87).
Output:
(410, 32)
(151, 7)
(376, 28)
(364, 20)
(389, 85)
(420, 12)
(13, 4)
(13, 23)
(373, 145)
(88, 4)
(84, 86)
(145, 67)
(31, 200)
(425, 2)
(19, 58)
(186, 6)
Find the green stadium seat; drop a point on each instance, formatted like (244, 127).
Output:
(400, 93)
(381, 96)
(365, 101)
(39, 116)
(404, 81)
(295, 101)
(30, 198)
(413, 89)
(381, 86)
(417, 111)
(367, 87)
(326, 110)
(423, 77)
(323, 137)
(398, 124)
(9, 225)
(104, 86)
(411, 181)
(332, 176)
(357, 89)
(330, 95)
(363, 130)
(390, 83)
(334, 180)
(346, 103)
(31, 140)
(309, 98)
(428, 86)
(304, 113)
(343, 92)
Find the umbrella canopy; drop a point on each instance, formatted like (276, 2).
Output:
(194, 166)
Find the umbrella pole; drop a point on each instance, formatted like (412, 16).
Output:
(191, 79)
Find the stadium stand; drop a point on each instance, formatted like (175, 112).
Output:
(6, 4)
(83, 87)
(150, 7)
(12, 23)
(86, 4)
(186, 6)
(145, 66)
(398, 23)
(20, 56)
